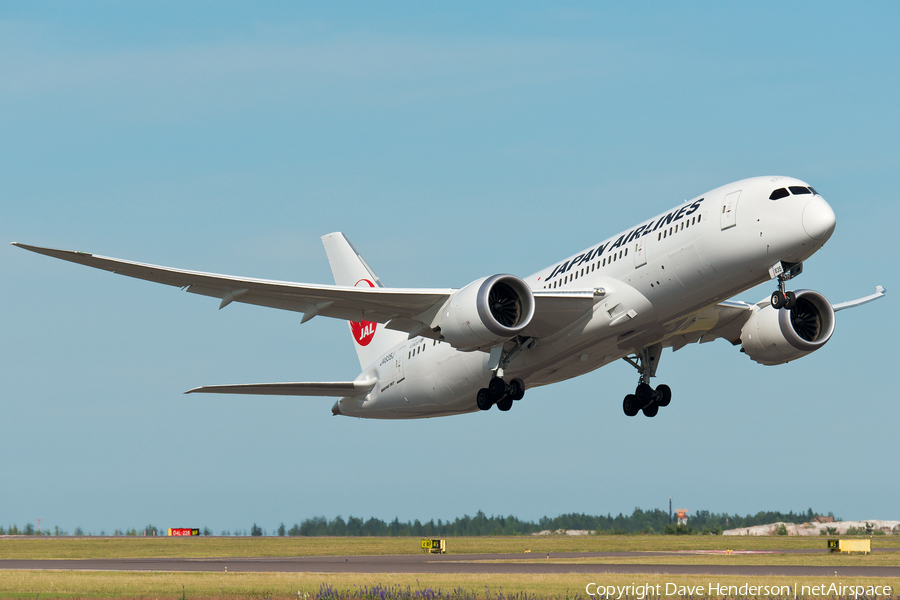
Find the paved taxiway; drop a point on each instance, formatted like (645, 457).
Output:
(449, 563)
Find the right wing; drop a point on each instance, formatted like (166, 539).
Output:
(411, 310)
(379, 304)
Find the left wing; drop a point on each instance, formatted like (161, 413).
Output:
(725, 320)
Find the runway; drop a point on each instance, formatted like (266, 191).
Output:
(457, 564)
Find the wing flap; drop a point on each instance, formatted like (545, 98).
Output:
(339, 389)
(554, 311)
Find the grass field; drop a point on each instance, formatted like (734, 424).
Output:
(71, 584)
(308, 586)
(207, 547)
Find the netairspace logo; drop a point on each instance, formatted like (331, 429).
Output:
(648, 590)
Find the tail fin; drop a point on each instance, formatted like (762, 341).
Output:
(371, 340)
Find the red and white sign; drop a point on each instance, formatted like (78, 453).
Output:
(363, 331)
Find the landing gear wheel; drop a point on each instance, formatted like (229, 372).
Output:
(483, 399)
(779, 299)
(497, 389)
(644, 394)
(516, 389)
(630, 405)
(663, 395)
(651, 409)
(505, 403)
(790, 300)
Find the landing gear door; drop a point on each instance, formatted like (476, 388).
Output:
(729, 210)
(640, 255)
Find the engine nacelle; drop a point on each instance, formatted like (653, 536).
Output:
(487, 312)
(773, 337)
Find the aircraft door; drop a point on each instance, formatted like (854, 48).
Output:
(729, 210)
(640, 254)
(398, 365)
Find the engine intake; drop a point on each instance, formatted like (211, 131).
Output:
(773, 337)
(487, 312)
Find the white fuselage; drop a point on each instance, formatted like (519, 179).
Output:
(669, 268)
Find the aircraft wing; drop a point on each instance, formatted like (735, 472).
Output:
(378, 305)
(725, 320)
(338, 389)
(409, 308)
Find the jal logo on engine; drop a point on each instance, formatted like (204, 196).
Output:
(363, 331)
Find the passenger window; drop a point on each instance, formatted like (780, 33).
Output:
(778, 194)
(799, 189)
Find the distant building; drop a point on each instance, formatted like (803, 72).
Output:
(682, 515)
(821, 519)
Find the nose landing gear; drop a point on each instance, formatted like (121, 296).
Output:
(784, 272)
(645, 398)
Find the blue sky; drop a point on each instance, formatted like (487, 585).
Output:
(448, 144)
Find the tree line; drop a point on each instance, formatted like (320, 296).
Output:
(640, 521)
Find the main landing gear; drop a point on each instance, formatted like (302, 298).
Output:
(645, 398)
(784, 272)
(500, 393)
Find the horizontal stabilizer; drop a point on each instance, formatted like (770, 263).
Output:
(338, 389)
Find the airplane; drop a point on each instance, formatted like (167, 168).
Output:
(664, 283)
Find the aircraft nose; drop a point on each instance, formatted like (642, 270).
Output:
(818, 219)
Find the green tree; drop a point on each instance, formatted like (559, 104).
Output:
(281, 530)
(256, 530)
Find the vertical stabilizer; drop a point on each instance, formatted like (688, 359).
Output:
(371, 340)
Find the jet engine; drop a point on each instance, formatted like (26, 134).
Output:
(487, 312)
(776, 336)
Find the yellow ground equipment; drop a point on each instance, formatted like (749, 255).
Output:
(434, 546)
(848, 546)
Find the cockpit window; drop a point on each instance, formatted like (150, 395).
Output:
(778, 194)
(799, 189)
(814, 191)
